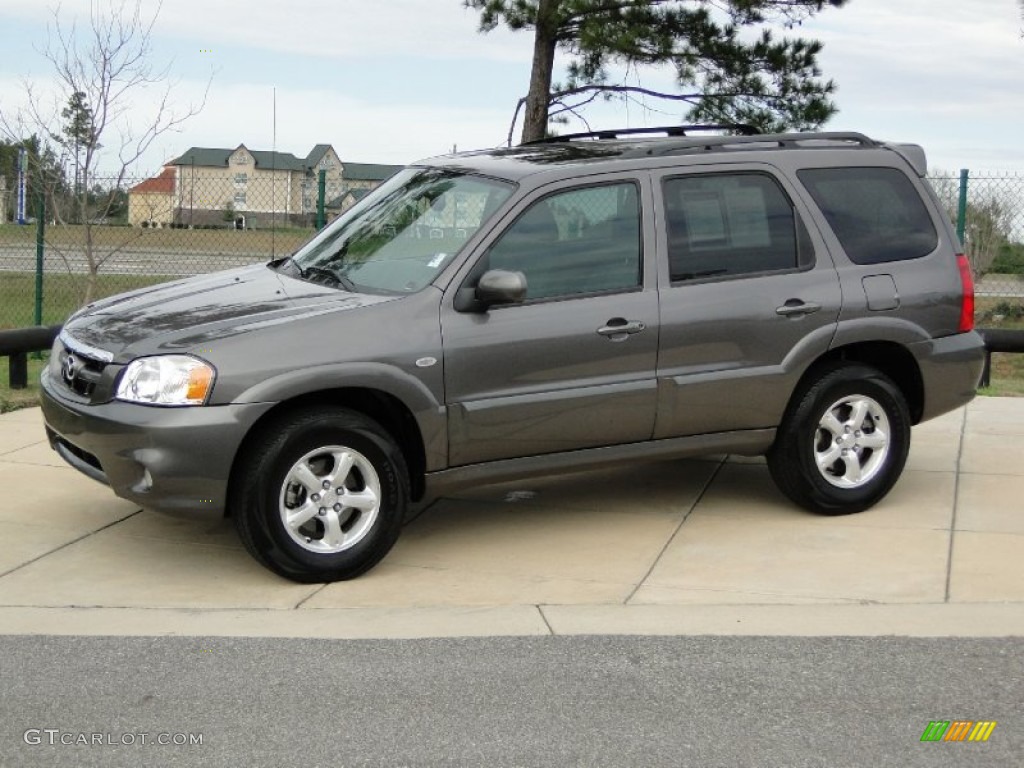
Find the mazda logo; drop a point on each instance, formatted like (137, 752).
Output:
(70, 369)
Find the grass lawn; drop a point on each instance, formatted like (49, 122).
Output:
(259, 241)
(12, 399)
(1007, 378)
(61, 295)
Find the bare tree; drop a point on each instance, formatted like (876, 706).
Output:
(988, 221)
(101, 69)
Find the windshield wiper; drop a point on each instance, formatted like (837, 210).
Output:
(346, 283)
(335, 277)
(288, 263)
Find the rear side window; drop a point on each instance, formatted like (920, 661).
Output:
(876, 213)
(728, 224)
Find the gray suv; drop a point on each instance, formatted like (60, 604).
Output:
(568, 304)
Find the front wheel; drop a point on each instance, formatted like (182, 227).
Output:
(844, 442)
(321, 495)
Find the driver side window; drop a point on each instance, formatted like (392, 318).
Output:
(576, 242)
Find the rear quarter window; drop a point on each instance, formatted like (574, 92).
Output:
(876, 213)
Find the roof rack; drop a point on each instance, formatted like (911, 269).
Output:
(806, 140)
(679, 145)
(741, 129)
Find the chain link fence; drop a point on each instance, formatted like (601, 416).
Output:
(152, 230)
(988, 209)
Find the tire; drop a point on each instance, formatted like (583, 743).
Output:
(320, 495)
(843, 442)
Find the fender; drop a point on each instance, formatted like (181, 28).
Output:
(884, 328)
(430, 414)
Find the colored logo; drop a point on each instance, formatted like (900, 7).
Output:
(958, 730)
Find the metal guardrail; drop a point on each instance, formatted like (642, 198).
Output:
(999, 340)
(18, 343)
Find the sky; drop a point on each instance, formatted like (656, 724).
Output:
(393, 81)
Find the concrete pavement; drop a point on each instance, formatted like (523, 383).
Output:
(685, 547)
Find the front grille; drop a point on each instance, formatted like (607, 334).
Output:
(78, 372)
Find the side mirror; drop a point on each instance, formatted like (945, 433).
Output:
(496, 286)
(499, 286)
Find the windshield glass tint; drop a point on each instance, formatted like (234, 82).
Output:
(403, 233)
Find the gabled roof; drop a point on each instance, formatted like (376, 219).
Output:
(218, 158)
(158, 185)
(316, 154)
(368, 171)
(280, 161)
(212, 157)
(356, 194)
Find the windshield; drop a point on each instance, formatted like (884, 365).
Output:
(402, 234)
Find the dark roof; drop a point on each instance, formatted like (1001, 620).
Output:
(357, 194)
(368, 171)
(281, 161)
(204, 156)
(316, 154)
(286, 161)
(218, 158)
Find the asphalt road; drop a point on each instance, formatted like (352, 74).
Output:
(554, 701)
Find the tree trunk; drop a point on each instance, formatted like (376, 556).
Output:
(92, 276)
(535, 123)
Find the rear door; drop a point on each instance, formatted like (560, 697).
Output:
(573, 365)
(749, 297)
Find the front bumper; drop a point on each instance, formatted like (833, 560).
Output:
(168, 459)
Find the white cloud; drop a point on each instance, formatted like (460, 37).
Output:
(360, 131)
(440, 29)
(385, 133)
(944, 73)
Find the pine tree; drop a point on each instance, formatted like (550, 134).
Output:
(78, 135)
(728, 74)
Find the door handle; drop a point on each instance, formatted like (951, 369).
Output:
(797, 307)
(618, 328)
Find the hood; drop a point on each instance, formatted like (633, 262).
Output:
(182, 315)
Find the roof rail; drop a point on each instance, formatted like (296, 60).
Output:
(781, 140)
(741, 129)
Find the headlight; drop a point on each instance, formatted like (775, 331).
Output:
(166, 380)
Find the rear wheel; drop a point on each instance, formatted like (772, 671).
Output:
(844, 442)
(321, 495)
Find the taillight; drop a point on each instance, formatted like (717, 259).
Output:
(967, 301)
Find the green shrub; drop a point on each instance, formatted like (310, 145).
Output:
(1009, 260)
